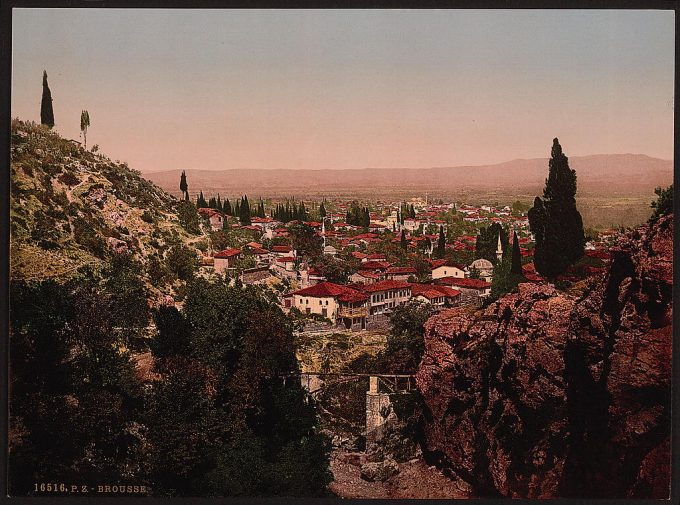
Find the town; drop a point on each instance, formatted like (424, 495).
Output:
(338, 265)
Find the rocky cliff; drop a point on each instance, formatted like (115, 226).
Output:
(545, 394)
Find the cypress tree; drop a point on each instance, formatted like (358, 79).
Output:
(46, 112)
(322, 210)
(404, 244)
(441, 243)
(218, 204)
(516, 267)
(183, 186)
(555, 221)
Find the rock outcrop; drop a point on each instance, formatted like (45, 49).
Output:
(545, 394)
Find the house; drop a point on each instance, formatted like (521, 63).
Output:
(374, 257)
(286, 263)
(400, 273)
(365, 277)
(341, 304)
(375, 265)
(279, 251)
(257, 275)
(261, 255)
(436, 295)
(387, 294)
(448, 269)
(214, 216)
(225, 260)
(473, 291)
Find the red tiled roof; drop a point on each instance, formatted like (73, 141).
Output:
(208, 211)
(437, 263)
(450, 264)
(254, 245)
(228, 253)
(401, 270)
(430, 291)
(286, 259)
(375, 256)
(281, 248)
(386, 285)
(359, 255)
(369, 275)
(464, 283)
(329, 289)
(375, 265)
(258, 250)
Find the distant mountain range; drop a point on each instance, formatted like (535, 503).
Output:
(600, 173)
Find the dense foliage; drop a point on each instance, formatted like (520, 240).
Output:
(663, 205)
(211, 415)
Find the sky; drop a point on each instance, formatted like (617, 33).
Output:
(338, 89)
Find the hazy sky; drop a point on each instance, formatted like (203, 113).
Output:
(349, 89)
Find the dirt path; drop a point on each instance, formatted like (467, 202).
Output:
(415, 480)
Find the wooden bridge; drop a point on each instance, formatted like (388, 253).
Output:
(377, 383)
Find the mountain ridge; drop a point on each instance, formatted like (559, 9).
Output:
(598, 172)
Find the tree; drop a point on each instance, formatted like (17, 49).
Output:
(46, 112)
(183, 262)
(663, 205)
(174, 333)
(441, 243)
(304, 240)
(504, 280)
(188, 217)
(516, 266)
(183, 186)
(402, 242)
(405, 344)
(84, 125)
(244, 212)
(322, 210)
(487, 242)
(555, 221)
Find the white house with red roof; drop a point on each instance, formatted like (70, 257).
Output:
(214, 216)
(341, 304)
(280, 251)
(436, 295)
(226, 259)
(448, 269)
(365, 277)
(400, 273)
(387, 294)
(473, 291)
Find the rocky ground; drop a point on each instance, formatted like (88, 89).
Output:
(546, 393)
(413, 479)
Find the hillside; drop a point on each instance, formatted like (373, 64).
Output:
(621, 174)
(70, 207)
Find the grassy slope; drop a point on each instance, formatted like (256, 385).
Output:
(68, 205)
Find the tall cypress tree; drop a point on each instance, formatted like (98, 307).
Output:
(441, 243)
(183, 186)
(404, 244)
(555, 221)
(322, 210)
(46, 112)
(516, 267)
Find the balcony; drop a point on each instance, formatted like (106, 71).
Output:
(352, 312)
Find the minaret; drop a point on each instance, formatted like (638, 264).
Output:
(499, 248)
(323, 231)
